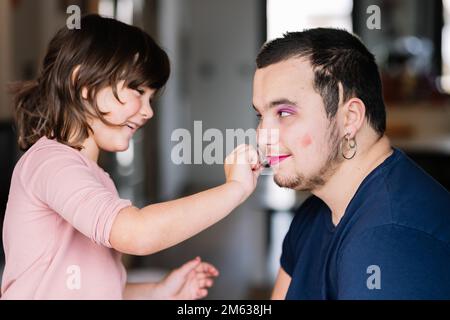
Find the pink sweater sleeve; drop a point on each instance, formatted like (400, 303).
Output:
(66, 184)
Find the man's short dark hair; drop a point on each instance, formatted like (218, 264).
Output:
(336, 57)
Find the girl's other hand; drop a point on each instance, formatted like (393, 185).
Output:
(189, 282)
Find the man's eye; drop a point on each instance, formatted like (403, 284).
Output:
(283, 114)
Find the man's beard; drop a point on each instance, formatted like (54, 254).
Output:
(332, 163)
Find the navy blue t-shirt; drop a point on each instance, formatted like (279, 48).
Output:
(393, 241)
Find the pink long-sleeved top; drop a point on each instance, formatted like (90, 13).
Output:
(60, 212)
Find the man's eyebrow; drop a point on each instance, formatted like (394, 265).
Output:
(277, 103)
(282, 101)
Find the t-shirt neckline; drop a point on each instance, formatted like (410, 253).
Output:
(375, 172)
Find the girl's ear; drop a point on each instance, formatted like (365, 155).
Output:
(75, 72)
(84, 93)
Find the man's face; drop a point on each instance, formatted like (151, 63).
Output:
(300, 142)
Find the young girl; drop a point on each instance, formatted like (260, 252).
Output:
(65, 225)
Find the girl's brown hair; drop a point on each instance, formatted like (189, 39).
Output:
(100, 54)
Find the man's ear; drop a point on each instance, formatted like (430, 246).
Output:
(354, 115)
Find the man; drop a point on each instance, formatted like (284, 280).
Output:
(376, 225)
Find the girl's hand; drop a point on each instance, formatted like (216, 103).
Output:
(189, 282)
(243, 166)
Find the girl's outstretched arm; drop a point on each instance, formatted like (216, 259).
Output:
(159, 226)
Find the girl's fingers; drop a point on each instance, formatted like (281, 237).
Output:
(205, 267)
(202, 293)
(250, 154)
(206, 283)
(204, 280)
(188, 267)
(257, 171)
(253, 156)
(201, 275)
(233, 156)
(256, 167)
(243, 154)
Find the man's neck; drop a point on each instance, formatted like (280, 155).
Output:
(342, 186)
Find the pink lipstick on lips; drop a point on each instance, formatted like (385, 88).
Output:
(273, 160)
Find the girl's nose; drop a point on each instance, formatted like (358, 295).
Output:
(147, 111)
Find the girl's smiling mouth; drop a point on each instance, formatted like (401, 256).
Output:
(132, 125)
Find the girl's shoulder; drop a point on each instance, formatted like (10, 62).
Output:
(52, 154)
(47, 149)
(48, 159)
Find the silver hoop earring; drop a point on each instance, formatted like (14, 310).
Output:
(351, 147)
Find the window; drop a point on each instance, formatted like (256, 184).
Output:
(122, 10)
(445, 80)
(296, 15)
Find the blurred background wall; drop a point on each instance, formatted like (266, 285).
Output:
(212, 45)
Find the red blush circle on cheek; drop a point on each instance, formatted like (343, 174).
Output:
(305, 141)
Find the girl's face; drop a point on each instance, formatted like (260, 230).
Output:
(134, 111)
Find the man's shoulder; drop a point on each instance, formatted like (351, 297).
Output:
(406, 180)
(412, 264)
(415, 200)
(401, 225)
(401, 194)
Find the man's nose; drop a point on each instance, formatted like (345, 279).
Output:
(267, 135)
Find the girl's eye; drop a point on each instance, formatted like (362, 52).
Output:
(259, 116)
(140, 91)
